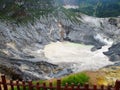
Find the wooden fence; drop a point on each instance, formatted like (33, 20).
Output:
(17, 85)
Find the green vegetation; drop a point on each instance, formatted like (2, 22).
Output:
(24, 10)
(99, 8)
(80, 78)
(28, 10)
(72, 16)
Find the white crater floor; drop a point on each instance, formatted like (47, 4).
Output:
(78, 56)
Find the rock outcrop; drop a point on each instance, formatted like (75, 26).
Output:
(114, 53)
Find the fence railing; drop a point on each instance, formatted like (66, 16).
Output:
(22, 85)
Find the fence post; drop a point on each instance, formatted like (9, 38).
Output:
(66, 86)
(72, 86)
(0, 86)
(44, 86)
(86, 86)
(30, 85)
(78, 86)
(23, 84)
(51, 86)
(38, 86)
(12, 86)
(58, 84)
(117, 85)
(95, 87)
(109, 87)
(4, 82)
(102, 87)
(17, 84)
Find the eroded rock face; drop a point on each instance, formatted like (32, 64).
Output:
(115, 21)
(15, 39)
(25, 70)
(114, 52)
(18, 69)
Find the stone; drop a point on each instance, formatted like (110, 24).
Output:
(114, 52)
(96, 48)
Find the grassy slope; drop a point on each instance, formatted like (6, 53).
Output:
(24, 10)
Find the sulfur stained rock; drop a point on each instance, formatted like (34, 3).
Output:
(104, 76)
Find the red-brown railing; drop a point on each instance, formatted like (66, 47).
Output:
(17, 85)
